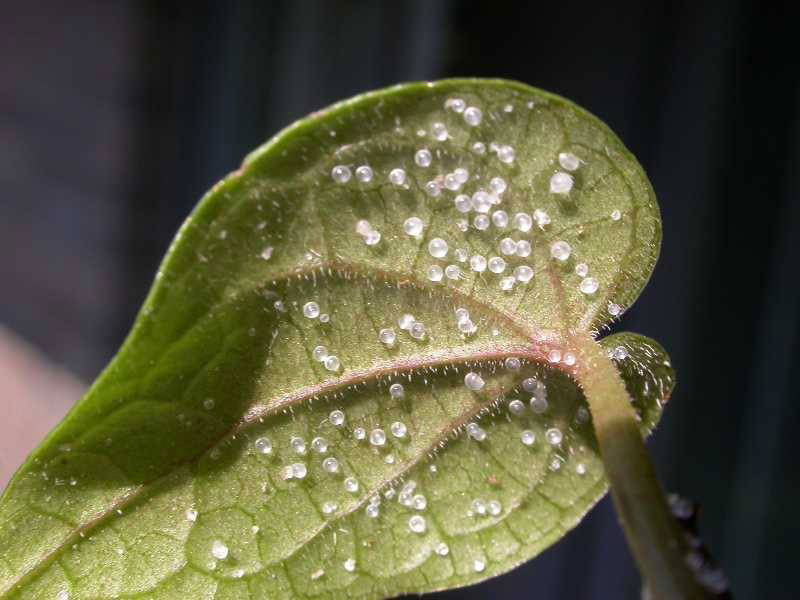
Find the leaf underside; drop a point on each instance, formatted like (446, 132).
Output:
(158, 485)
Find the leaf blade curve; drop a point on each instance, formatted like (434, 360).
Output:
(211, 355)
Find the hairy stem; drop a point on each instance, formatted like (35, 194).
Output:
(655, 538)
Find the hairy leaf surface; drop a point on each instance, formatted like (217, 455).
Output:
(210, 460)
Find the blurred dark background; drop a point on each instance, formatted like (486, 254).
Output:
(116, 116)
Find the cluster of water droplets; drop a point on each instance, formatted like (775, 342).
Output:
(477, 201)
(481, 195)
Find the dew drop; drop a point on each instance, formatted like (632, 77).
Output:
(439, 131)
(319, 445)
(554, 355)
(406, 321)
(263, 445)
(417, 524)
(523, 273)
(219, 550)
(311, 310)
(581, 269)
(360, 433)
(319, 353)
(541, 218)
(363, 227)
(455, 104)
(372, 238)
(619, 353)
(476, 432)
(266, 253)
(522, 222)
(494, 507)
(377, 437)
(437, 248)
(372, 511)
(589, 285)
(191, 515)
(423, 157)
(508, 246)
(553, 436)
(569, 359)
(560, 250)
(481, 222)
(580, 469)
(500, 219)
(364, 174)
(498, 185)
(442, 549)
(398, 429)
(417, 331)
(332, 363)
(538, 405)
(413, 226)
(616, 215)
(614, 309)
(472, 116)
(516, 407)
(208, 403)
(396, 391)
(351, 485)
(329, 507)
(527, 437)
(435, 273)
(433, 189)
(506, 154)
(569, 161)
(479, 507)
(463, 203)
(561, 183)
(336, 418)
(341, 174)
(466, 326)
(451, 182)
(349, 565)
(513, 363)
(387, 337)
(452, 272)
(479, 148)
(299, 470)
(496, 264)
(461, 255)
(298, 444)
(397, 176)
(523, 248)
(330, 465)
(473, 381)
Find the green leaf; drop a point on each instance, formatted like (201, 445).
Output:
(158, 483)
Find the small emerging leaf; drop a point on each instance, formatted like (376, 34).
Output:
(269, 430)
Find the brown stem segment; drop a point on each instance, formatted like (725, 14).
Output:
(655, 538)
